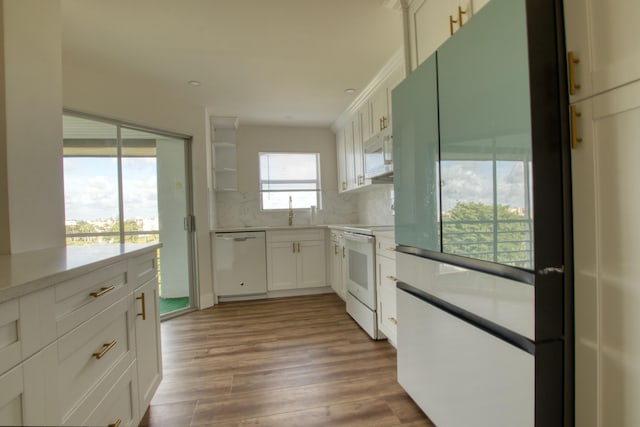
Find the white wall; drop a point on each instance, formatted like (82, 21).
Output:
(242, 208)
(31, 177)
(111, 94)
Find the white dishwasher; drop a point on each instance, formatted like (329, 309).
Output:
(240, 264)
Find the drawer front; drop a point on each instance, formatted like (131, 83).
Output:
(474, 378)
(295, 235)
(91, 351)
(79, 299)
(143, 268)
(10, 346)
(12, 398)
(113, 399)
(386, 247)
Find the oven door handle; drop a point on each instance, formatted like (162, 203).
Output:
(358, 237)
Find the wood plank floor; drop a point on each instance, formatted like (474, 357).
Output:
(281, 362)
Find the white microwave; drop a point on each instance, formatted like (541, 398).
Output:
(378, 155)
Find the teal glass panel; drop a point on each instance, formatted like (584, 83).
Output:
(485, 137)
(415, 154)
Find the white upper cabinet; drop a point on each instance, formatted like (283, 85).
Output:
(365, 118)
(602, 40)
(432, 22)
(342, 163)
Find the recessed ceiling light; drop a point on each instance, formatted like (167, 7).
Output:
(194, 82)
(350, 90)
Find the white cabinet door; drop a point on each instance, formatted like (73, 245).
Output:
(336, 269)
(432, 22)
(358, 150)
(387, 317)
(341, 160)
(349, 150)
(606, 250)
(311, 264)
(603, 37)
(283, 266)
(148, 350)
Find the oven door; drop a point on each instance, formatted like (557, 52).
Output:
(360, 268)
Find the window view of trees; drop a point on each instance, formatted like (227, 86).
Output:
(108, 231)
(499, 234)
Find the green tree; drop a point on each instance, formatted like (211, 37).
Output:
(475, 230)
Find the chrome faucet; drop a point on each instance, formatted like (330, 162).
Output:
(290, 212)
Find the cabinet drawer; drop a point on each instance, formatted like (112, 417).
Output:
(143, 268)
(386, 247)
(295, 235)
(10, 349)
(91, 351)
(26, 326)
(79, 299)
(112, 400)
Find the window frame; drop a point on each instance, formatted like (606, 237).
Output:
(318, 182)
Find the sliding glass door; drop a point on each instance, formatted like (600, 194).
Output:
(130, 185)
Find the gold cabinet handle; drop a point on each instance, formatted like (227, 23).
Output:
(294, 246)
(391, 249)
(344, 252)
(460, 13)
(393, 320)
(102, 291)
(451, 22)
(344, 185)
(116, 424)
(393, 278)
(572, 60)
(105, 349)
(335, 249)
(575, 139)
(144, 307)
(298, 246)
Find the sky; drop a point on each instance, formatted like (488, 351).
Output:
(472, 181)
(91, 188)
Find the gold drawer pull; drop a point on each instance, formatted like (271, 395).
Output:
(575, 139)
(572, 61)
(460, 13)
(144, 307)
(116, 424)
(391, 249)
(102, 291)
(393, 320)
(451, 22)
(395, 279)
(106, 347)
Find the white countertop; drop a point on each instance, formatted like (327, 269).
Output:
(266, 228)
(354, 228)
(28, 272)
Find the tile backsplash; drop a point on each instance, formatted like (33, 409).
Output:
(372, 205)
(236, 209)
(375, 205)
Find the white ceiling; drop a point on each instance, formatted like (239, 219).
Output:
(281, 62)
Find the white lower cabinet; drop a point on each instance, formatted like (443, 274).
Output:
(148, 351)
(72, 354)
(337, 258)
(296, 259)
(386, 287)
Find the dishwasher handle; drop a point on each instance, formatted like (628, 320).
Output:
(239, 237)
